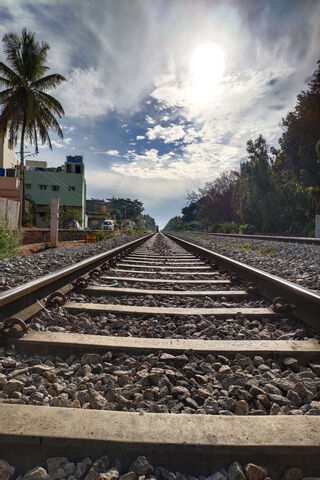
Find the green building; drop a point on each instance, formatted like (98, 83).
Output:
(66, 182)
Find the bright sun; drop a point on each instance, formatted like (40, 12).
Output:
(206, 69)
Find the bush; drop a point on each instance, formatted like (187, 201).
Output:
(9, 241)
(226, 227)
(246, 229)
(309, 229)
(192, 226)
(104, 235)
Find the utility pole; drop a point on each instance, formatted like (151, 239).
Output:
(54, 221)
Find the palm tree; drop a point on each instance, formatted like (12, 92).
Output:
(27, 111)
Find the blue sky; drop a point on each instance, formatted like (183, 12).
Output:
(162, 95)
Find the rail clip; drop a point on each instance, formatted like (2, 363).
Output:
(13, 327)
(56, 299)
(279, 306)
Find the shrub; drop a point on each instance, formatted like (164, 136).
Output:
(9, 241)
(101, 235)
(246, 229)
(192, 226)
(226, 227)
(309, 229)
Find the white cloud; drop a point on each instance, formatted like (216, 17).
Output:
(167, 134)
(85, 94)
(57, 144)
(150, 120)
(115, 153)
(67, 141)
(140, 137)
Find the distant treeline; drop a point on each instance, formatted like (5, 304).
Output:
(128, 209)
(275, 190)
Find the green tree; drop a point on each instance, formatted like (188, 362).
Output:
(175, 224)
(125, 208)
(68, 213)
(255, 194)
(27, 111)
(148, 222)
(301, 133)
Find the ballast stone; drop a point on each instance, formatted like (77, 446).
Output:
(254, 472)
(235, 472)
(141, 466)
(292, 474)
(6, 470)
(37, 473)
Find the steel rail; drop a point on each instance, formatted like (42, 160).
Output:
(306, 302)
(277, 238)
(18, 298)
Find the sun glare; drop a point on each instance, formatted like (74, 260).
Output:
(206, 69)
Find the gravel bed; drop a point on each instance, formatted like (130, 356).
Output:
(166, 286)
(20, 269)
(58, 468)
(214, 275)
(161, 326)
(162, 383)
(170, 301)
(297, 262)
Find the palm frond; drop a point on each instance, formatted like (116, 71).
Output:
(5, 95)
(48, 82)
(42, 54)
(5, 82)
(51, 103)
(8, 73)
(11, 47)
(48, 119)
(44, 135)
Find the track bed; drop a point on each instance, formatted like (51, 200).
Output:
(167, 353)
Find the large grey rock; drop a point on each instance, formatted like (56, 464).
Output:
(6, 470)
(292, 474)
(91, 359)
(111, 474)
(56, 466)
(241, 407)
(37, 473)
(141, 466)
(254, 472)
(128, 476)
(96, 400)
(83, 467)
(13, 386)
(235, 471)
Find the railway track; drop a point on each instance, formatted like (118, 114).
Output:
(163, 349)
(274, 238)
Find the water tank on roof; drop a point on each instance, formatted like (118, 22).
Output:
(74, 158)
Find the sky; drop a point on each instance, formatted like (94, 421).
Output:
(162, 95)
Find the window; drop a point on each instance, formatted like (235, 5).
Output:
(42, 214)
(78, 168)
(28, 185)
(55, 188)
(43, 187)
(71, 189)
(68, 168)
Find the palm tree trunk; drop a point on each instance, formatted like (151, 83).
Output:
(21, 171)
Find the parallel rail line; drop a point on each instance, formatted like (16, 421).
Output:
(275, 238)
